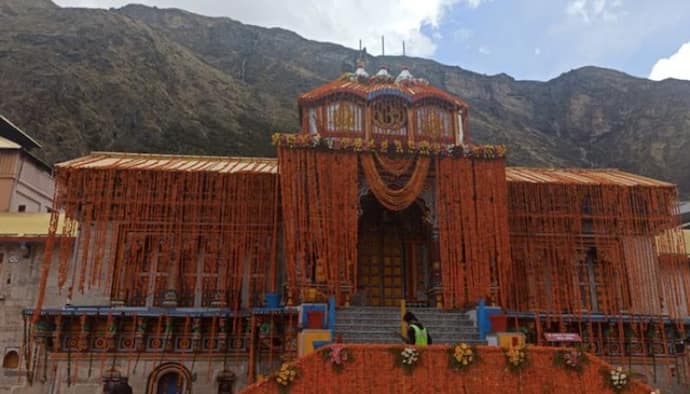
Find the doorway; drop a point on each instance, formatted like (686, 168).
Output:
(393, 261)
(170, 378)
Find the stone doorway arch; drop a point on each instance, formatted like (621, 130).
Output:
(170, 378)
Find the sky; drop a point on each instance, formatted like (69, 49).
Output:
(527, 39)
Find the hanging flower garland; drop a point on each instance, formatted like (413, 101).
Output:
(337, 356)
(616, 379)
(285, 376)
(407, 359)
(462, 356)
(423, 148)
(571, 359)
(516, 358)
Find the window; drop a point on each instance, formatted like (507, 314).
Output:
(11, 360)
(21, 208)
(589, 280)
(343, 117)
(434, 123)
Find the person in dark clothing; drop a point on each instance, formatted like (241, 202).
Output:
(417, 334)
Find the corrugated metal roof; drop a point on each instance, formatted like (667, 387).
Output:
(26, 224)
(142, 161)
(11, 131)
(7, 144)
(580, 176)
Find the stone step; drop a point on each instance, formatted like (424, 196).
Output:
(382, 325)
(393, 340)
(396, 322)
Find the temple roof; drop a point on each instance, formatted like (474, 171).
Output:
(262, 165)
(160, 162)
(412, 90)
(580, 176)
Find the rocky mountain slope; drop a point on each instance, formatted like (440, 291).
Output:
(147, 79)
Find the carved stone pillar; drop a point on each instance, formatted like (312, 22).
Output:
(170, 299)
(436, 273)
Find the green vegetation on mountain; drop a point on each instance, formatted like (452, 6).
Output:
(152, 80)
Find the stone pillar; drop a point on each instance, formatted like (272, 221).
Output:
(170, 299)
(436, 290)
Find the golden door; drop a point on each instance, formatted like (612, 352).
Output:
(380, 272)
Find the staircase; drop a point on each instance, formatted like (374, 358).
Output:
(382, 325)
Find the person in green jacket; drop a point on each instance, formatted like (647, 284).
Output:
(417, 334)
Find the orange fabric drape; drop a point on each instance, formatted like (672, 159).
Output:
(319, 201)
(473, 230)
(395, 199)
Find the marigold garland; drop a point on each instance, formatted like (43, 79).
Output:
(432, 375)
(424, 148)
(395, 199)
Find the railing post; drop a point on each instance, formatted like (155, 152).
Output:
(403, 324)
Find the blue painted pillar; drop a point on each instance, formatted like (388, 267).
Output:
(482, 319)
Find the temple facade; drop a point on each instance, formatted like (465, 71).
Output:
(184, 274)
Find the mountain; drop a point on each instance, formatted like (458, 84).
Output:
(166, 80)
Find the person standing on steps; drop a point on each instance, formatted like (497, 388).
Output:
(417, 334)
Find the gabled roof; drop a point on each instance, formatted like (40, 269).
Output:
(580, 176)
(7, 144)
(412, 92)
(10, 131)
(160, 162)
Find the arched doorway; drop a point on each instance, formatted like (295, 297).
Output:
(170, 378)
(393, 250)
(11, 360)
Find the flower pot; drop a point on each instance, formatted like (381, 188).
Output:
(315, 319)
(499, 322)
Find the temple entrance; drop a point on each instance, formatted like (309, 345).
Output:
(393, 255)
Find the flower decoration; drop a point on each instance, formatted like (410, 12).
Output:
(337, 356)
(462, 356)
(407, 359)
(516, 357)
(285, 376)
(422, 148)
(617, 379)
(571, 359)
(398, 146)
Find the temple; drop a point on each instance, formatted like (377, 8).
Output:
(203, 274)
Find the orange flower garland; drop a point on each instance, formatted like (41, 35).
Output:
(432, 375)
